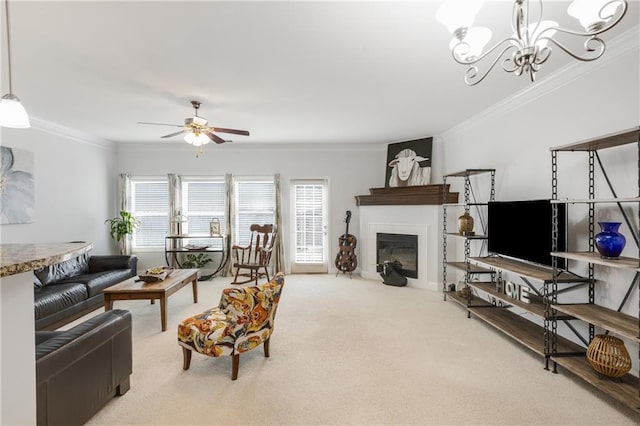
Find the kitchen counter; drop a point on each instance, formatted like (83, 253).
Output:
(17, 258)
(17, 324)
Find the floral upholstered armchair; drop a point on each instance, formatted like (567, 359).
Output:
(242, 321)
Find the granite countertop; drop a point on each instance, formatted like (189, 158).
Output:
(17, 258)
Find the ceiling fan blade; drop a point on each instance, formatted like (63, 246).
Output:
(234, 131)
(161, 124)
(172, 134)
(215, 138)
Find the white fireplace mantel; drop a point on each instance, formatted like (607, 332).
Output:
(421, 220)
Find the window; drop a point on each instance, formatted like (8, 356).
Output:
(254, 203)
(202, 201)
(150, 205)
(309, 239)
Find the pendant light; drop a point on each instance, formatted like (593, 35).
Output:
(12, 113)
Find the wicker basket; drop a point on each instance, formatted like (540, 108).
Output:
(608, 356)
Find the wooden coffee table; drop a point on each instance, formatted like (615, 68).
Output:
(132, 289)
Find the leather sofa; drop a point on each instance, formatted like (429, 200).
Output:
(68, 290)
(79, 370)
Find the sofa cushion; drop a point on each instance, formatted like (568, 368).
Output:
(112, 262)
(55, 297)
(43, 336)
(60, 271)
(98, 281)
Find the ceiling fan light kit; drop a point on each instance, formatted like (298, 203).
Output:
(197, 132)
(196, 139)
(529, 45)
(12, 112)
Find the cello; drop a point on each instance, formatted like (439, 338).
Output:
(346, 260)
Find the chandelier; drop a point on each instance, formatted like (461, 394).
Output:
(529, 45)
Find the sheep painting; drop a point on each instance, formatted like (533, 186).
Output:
(406, 170)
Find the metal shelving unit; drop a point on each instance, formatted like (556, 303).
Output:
(469, 201)
(505, 313)
(487, 300)
(626, 391)
(497, 311)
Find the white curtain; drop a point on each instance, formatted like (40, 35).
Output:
(124, 195)
(278, 264)
(175, 204)
(229, 209)
(124, 191)
(174, 183)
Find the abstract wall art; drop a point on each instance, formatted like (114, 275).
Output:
(17, 192)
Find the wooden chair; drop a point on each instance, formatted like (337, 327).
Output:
(256, 256)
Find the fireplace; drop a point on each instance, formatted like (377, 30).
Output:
(423, 221)
(398, 247)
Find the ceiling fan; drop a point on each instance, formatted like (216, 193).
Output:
(196, 130)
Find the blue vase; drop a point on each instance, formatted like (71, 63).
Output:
(609, 241)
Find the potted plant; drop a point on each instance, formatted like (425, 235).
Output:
(196, 261)
(121, 228)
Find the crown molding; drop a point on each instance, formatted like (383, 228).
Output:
(250, 146)
(617, 48)
(69, 133)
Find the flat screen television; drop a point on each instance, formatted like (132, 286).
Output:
(522, 230)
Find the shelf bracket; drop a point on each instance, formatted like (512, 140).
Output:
(570, 288)
(631, 287)
(576, 332)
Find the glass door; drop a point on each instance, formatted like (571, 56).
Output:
(309, 224)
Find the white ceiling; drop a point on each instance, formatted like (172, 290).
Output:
(326, 72)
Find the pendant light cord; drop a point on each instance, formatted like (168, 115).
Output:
(6, 9)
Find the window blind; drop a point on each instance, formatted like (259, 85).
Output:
(309, 226)
(203, 200)
(150, 205)
(255, 203)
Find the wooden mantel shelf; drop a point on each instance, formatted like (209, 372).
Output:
(408, 195)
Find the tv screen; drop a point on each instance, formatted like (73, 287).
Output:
(522, 230)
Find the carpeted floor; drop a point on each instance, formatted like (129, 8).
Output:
(350, 351)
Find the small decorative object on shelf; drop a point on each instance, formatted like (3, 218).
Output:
(609, 241)
(177, 222)
(465, 225)
(608, 356)
(196, 246)
(214, 227)
(464, 292)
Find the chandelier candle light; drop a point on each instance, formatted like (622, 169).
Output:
(530, 42)
(12, 113)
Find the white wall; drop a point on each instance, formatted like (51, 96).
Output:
(350, 169)
(585, 101)
(74, 188)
